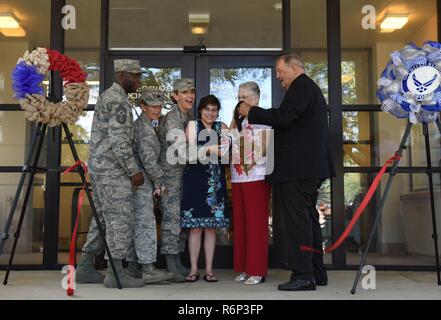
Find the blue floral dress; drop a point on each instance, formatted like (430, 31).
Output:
(204, 192)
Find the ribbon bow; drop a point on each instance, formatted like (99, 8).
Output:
(72, 251)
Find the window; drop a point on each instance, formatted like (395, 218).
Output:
(224, 84)
(371, 138)
(165, 24)
(404, 235)
(15, 138)
(308, 38)
(83, 43)
(81, 135)
(30, 245)
(34, 18)
(368, 50)
(16, 132)
(159, 78)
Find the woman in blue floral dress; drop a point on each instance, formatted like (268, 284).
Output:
(204, 192)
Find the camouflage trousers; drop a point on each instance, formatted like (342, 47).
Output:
(172, 239)
(144, 245)
(114, 200)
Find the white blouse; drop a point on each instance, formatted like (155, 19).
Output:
(257, 172)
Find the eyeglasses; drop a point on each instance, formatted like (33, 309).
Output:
(241, 98)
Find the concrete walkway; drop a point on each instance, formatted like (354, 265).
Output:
(36, 285)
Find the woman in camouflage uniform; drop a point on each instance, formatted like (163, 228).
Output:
(173, 124)
(146, 149)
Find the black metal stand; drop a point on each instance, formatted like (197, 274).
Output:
(31, 168)
(432, 198)
(392, 174)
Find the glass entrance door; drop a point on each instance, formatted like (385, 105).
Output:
(221, 76)
(225, 74)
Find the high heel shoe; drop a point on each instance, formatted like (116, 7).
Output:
(254, 280)
(210, 278)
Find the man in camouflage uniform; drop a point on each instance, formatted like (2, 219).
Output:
(172, 239)
(114, 173)
(147, 149)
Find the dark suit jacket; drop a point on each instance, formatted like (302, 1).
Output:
(301, 135)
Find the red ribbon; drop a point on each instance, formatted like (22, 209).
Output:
(69, 68)
(72, 251)
(359, 211)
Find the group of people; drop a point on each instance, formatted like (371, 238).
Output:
(132, 164)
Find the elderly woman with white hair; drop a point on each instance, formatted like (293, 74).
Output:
(250, 195)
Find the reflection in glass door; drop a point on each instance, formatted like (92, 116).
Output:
(224, 84)
(158, 78)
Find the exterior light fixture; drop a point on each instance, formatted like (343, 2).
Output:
(17, 32)
(8, 21)
(277, 6)
(393, 21)
(199, 23)
(10, 27)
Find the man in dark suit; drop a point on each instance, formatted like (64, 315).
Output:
(301, 162)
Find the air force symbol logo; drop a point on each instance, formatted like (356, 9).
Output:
(422, 81)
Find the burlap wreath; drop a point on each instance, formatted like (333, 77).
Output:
(27, 79)
(37, 108)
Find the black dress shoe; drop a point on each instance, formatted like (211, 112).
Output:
(321, 278)
(321, 283)
(298, 285)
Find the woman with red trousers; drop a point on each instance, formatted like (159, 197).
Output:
(250, 194)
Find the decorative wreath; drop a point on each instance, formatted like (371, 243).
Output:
(409, 86)
(28, 76)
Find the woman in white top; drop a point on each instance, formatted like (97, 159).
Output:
(250, 194)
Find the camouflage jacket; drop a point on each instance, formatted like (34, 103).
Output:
(175, 119)
(147, 150)
(112, 135)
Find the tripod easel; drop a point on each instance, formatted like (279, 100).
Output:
(31, 168)
(393, 172)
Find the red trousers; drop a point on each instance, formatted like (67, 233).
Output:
(250, 226)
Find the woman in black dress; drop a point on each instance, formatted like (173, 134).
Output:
(204, 192)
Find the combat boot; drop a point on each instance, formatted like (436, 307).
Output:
(182, 270)
(125, 280)
(151, 275)
(134, 270)
(171, 267)
(86, 272)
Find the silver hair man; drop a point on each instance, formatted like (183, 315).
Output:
(292, 58)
